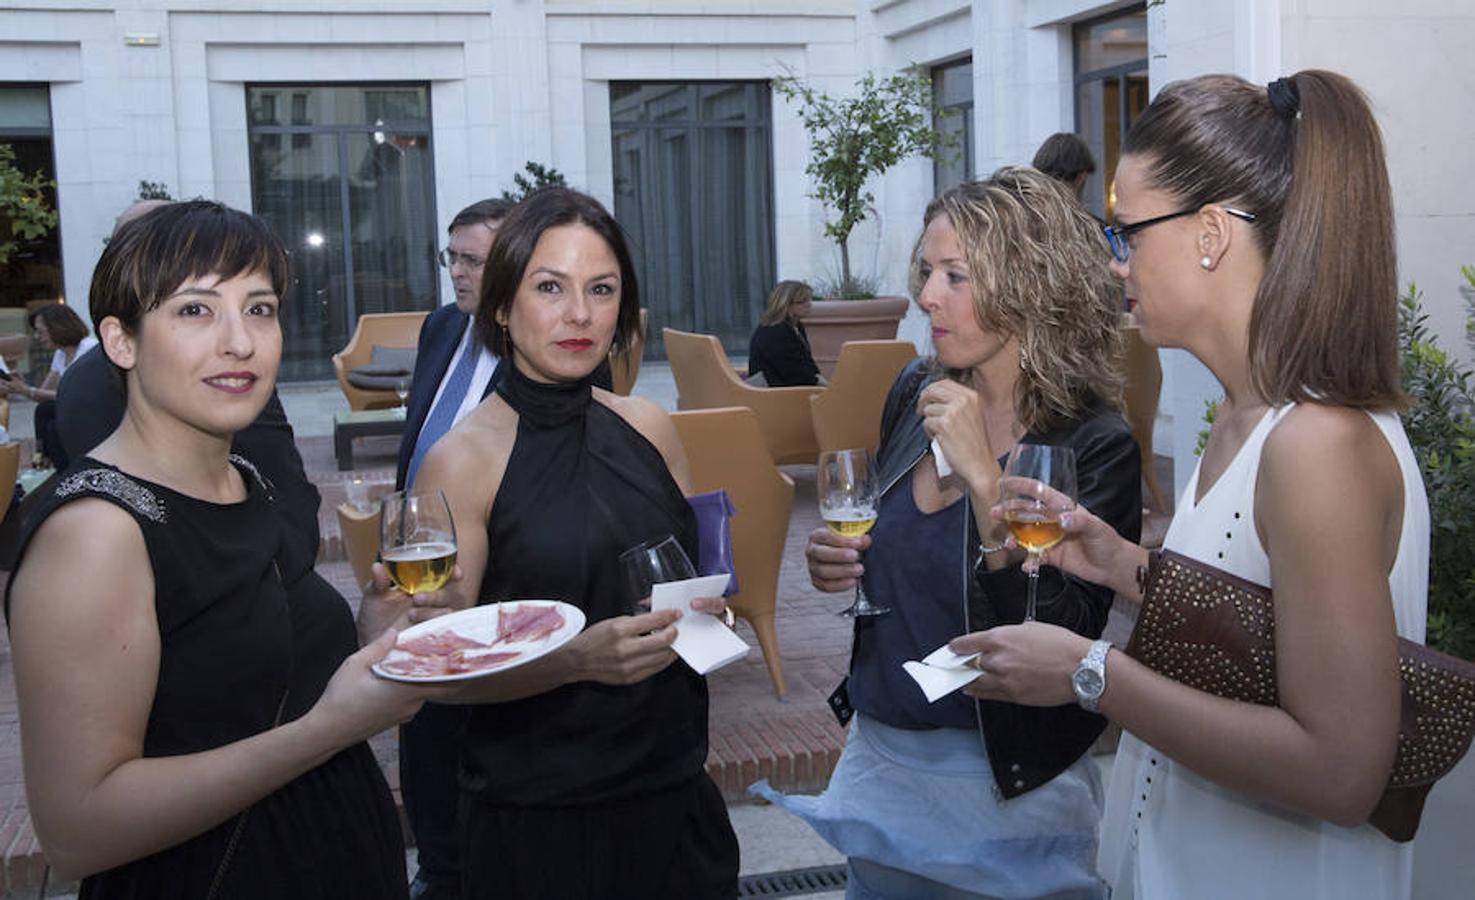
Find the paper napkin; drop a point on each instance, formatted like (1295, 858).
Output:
(940, 461)
(701, 639)
(941, 673)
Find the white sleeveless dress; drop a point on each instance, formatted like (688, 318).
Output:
(1168, 833)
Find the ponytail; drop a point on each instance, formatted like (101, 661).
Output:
(1325, 326)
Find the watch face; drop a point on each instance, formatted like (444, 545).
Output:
(1088, 683)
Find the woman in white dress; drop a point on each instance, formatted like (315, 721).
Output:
(1270, 258)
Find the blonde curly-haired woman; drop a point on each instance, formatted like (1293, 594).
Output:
(961, 798)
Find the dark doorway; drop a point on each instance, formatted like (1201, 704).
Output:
(694, 190)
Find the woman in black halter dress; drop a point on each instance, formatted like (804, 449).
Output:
(583, 773)
(193, 711)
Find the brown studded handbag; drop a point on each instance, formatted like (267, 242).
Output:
(1215, 632)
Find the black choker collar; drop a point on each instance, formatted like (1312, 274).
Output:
(544, 405)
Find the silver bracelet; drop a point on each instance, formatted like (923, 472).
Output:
(985, 548)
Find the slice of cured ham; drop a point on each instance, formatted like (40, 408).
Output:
(438, 643)
(463, 661)
(526, 623)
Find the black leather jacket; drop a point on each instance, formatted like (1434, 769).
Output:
(1027, 746)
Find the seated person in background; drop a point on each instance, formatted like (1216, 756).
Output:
(59, 328)
(779, 348)
(1065, 157)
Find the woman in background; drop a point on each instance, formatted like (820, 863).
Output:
(779, 348)
(57, 328)
(1255, 230)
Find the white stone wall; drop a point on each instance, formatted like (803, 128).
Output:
(518, 80)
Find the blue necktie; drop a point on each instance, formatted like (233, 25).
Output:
(443, 416)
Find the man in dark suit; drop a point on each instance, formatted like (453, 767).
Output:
(453, 372)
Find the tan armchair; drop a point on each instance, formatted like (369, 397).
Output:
(359, 532)
(375, 329)
(848, 413)
(1144, 375)
(9, 469)
(725, 450)
(625, 367)
(706, 380)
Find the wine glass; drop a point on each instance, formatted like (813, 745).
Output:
(652, 562)
(846, 484)
(417, 540)
(402, 391)
(1039, 485)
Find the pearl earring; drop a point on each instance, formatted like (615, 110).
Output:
(1206, 262)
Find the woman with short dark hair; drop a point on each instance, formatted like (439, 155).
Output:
(583, 772)
(187, 731)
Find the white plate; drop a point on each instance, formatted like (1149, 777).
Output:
(480, 623)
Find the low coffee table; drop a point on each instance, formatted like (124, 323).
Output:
(364, 423)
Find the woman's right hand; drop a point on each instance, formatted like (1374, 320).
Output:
(834, 561)
(625, 649)
(357, 704)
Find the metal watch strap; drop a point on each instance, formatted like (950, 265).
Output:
(1094, 660)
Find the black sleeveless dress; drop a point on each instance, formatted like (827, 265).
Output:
(236, 644)
(588, 790)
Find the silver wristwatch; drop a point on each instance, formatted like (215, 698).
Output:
(1089, 679)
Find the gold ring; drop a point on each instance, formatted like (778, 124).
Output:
(729, 617)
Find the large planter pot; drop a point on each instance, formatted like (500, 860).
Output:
(831, 323)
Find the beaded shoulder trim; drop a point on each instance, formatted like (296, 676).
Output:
(261, 480)
(120, 487)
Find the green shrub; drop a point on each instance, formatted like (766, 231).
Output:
(1441, 429)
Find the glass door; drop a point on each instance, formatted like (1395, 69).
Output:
(694, 191)
(344, 175)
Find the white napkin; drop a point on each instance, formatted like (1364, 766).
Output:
(940, 461)
(941, 673)
(701, 639)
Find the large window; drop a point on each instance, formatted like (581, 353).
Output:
(952, 91)
(344, 175)
(33, 273)
(1111, 92)
(694, 189)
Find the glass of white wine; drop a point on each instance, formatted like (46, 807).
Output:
(846, 484)
(417, 540)
(1039, 485)
(402, 391)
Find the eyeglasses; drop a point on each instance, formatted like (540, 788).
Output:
(449, 258)
(1117, 235)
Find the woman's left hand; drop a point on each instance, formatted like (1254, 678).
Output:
(952, 415)
(715, 606)
(1030, 664)
(386, 606)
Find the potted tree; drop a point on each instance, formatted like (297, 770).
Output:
(851, 140)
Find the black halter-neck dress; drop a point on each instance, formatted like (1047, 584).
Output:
(234, 641)
(588, 790)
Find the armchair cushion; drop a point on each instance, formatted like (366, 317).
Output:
(386, 366)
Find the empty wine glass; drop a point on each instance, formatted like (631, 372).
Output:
(417, 540)
(650, 563)
(1038, 486)
(846, 484)
(402, 391)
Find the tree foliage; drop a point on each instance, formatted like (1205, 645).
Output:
(541, 176)
(852, 139)
(1440, 428)
(24, 213)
